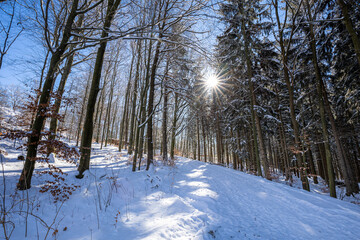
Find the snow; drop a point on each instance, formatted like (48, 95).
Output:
(191, 200)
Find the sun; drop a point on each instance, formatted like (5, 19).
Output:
(211, 81)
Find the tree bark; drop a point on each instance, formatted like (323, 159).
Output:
(60, 91)
(134, 102)
(82, 112)
(350, 28)
(124, 116)
(252, 92)
(142, 113)
(86, 139)
(164, 126)
(321, 105)
(173, 127)
(33, 141)
(290, 87)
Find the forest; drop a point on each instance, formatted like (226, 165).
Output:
(104, 101)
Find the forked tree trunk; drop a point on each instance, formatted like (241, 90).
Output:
(60, 91)
(290, 87)
(33, 141)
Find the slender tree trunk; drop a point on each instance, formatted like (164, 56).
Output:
(108, 106)
(290, 87)
(345, 165)
(102, 100)
(350, 28)
(321, 106)
(283, 145)
(124, 116)
(33, 141)
(139, 136)
(164, 126)
(60, 92)
(204, 138)
(112, 130)
(262, 147)
(134, 102)
(141, 126)
(173, 127)
(86, 139)
(198, 138)
(211, 155)
(152, 89)
(218, 131)
(107, 128)
(82, 112)
(252, 94)
(151, 109)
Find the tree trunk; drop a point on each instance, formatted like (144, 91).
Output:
(345, 165)
(109, 108)
(33, 141)
(198, 138)
(142, 113)
(86, 139)
(154, 67)
(217, 131)
(321, 106)
(350, 28)
(124, 116)
(82, 112)
(60, 91)
(204, 138)
(252, 93)
(151, 109)
(164, 125)
(134, 101)
(290, 87)
(102, 100)
(173, 127)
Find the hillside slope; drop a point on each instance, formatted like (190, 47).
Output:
(192, 200)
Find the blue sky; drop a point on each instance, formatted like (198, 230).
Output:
(25, 57)
(16, 67)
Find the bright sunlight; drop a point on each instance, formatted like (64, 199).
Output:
(211, 81)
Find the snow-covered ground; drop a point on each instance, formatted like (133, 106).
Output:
(191, 200)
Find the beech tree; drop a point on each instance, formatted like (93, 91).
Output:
(37, 126)
(86, 139)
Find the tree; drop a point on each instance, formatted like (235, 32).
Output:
(33, 141)
(86, 138)
(7, 28)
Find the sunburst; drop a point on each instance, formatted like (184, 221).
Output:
(211, 81)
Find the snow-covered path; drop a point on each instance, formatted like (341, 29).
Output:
(242, 206)
(192, 200)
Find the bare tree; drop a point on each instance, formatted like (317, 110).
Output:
(8, 32)
(33, 141)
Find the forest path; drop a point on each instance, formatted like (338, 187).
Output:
(242, 206)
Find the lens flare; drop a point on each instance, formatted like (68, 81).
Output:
(211, 81)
